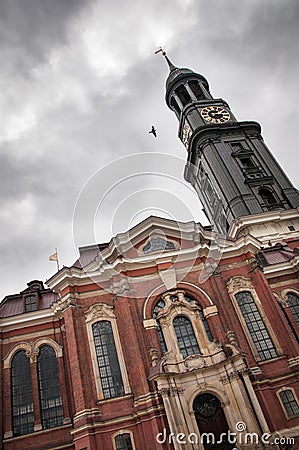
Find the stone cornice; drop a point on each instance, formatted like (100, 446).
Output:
(26, 320)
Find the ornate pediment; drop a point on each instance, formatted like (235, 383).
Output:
(195, 362)
(238, 283)
(99, 311)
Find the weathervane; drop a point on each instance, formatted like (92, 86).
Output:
(160, 50)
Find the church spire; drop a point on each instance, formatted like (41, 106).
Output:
(229, 165)
(170, 65)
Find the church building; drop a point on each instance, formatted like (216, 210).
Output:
(172, 335)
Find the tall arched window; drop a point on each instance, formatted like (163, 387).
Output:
(123, 442)
(49, 388)
(293, 302)
(289, 402)
(22, 400)
(203, 319)
(256, 327)
(111, 379)
(185, 335)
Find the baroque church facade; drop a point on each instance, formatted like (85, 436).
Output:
(172, 335)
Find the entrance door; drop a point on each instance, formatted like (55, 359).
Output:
(210, 418)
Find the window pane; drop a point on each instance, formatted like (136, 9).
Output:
(185, 336)
(30, 303)
(22, 401)
(256, 326)
(111, 380)
(293, 302)
(49, 387)
(289, 402)
(123, 442)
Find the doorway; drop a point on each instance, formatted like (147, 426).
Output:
(212, 422)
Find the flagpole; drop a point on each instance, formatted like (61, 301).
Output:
(57, 261)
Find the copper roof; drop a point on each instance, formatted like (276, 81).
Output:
(13, 305)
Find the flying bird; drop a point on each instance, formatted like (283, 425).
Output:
(153, 131)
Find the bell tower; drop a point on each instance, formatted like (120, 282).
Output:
(229, 165)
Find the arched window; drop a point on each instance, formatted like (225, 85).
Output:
(194, 85)
(22, 400)
(268, 198)
(203, 319)
(256, 326)
(185, 335)
(174, 105)
(159, 306)
(293, 302)
(49, 388)
(123, 442)
(111, 379)
(289, 402)
(183, 95)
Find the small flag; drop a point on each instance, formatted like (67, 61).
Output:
(53, 257)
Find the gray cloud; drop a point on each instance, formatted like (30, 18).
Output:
(82, 87)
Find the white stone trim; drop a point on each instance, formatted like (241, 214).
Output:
(48, 341)
(124, 431)
(21, 346)
(32, 350)
(182, 284)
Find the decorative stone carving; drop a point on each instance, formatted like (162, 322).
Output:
(120, 288)
(194, 362)
(62, 305)
(171, 392)
(229, 378)
(231, 336)
(238, 283)
(153, 353)
(33, 352)
(176, 391)
(99, 310)
(168, 277)
(164, 392)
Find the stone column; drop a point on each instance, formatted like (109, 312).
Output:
(35, 393)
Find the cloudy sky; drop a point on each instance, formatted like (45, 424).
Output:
(80, 89)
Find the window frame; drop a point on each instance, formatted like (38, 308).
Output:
(192, 310)
(97, 313)
(189, 335)
(282, 404)
(257, 326)
(40, 390)
(12, 396)
(295, 294)
(34, 296)
(121, 432)
(239, 284)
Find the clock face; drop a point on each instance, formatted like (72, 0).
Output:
(215, 114)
